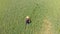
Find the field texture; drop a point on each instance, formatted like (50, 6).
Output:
(45, 16)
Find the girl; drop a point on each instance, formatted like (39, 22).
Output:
(28, 20)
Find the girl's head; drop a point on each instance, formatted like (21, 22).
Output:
(27, 17)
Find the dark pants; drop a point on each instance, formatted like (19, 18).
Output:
(28, 21)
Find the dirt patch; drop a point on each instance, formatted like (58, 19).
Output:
(46, 27)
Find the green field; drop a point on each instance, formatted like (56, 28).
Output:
(45, 16)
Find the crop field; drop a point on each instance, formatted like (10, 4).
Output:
(44, 14)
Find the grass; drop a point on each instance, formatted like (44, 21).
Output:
(13, 13)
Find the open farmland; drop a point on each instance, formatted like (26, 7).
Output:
(45, 16)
